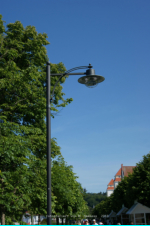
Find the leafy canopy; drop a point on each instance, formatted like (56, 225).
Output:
(23, 60)
(131, 188)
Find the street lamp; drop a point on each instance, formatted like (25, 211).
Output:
(90, 80)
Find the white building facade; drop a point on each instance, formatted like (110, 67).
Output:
(122, 172)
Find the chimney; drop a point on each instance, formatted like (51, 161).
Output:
(121, 170)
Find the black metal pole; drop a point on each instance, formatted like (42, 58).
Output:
(48, 122)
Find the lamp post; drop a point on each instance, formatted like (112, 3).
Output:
(90, 80)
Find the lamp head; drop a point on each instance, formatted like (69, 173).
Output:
(91, 80)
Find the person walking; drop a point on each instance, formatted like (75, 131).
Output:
(94, 222)
(86, 222)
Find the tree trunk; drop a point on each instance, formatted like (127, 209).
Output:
(39, 220)
(31, 218)
(3, 218)
(57, 220)
(66, 221)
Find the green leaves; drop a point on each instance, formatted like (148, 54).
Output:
(68, 192)
(131, 188)
(23, 175)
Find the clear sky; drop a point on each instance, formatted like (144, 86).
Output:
(108, 125)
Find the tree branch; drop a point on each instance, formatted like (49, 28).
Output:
(13, 105)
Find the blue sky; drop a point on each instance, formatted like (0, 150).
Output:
(108, 125)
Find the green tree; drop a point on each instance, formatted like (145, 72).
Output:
(134, 187)
(139, 183)
(119, 195)
(93, 199)
(22, 113)
(67, 190)
(38, 188)
(104, 207)
(67, 193)
(14, 173)
(131, 188)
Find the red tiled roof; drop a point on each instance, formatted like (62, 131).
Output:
(127, 170)
(110, 188)
(111, 182)
(117, 179)
(118, 173)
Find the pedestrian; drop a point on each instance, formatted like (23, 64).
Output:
(86, 222)
(94, 222)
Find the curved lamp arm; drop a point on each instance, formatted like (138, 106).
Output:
(68, 73)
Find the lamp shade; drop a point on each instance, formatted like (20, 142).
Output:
(91, 80)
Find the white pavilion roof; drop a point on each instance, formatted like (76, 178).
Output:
(138, 208)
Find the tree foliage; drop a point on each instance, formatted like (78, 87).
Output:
(23, 60)
(68, 191)
(93, 199)
(139, 183)
(131, 188)
(104, 207)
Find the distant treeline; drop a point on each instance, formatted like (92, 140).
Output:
(93, 199)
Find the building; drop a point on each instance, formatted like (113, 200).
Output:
(122, 172)
(139, 214)
(110, 188)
